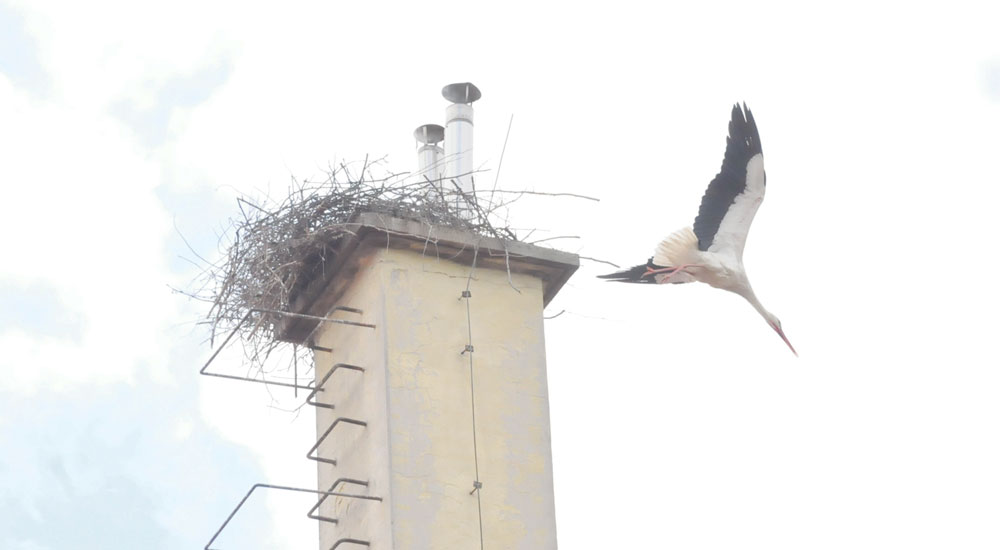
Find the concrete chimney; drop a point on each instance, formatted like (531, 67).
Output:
(439, 414)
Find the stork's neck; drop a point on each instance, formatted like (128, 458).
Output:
(748, 293)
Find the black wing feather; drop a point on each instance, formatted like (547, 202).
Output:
(637, 274)
(741, 145)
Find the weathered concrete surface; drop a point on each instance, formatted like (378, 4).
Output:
(419, 451)
(360, 452)
(552, 267)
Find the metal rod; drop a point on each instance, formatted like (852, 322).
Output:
(283, 488)
(315, 318)
(243, 378)
(319, 387)
(313, 512)
(319, 442)
(257, 380)
(250, 312)
(347, 309)
(351, 541)
(226, 341)
(309, 337)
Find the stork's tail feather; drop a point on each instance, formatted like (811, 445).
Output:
(637, 274)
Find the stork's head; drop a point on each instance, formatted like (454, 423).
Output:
(776, 325)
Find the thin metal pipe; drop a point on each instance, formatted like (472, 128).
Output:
(351, 541)
(283, 488)
(313, 512)
(269, 382)
(319, 442)
(246, 317)
(309, 337)
(319, 387)
(226, 341)
(316, 318)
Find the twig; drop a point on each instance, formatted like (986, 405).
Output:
(554, 316)
(522, 192)
(599, 261)
(274, 249)
(553, 238)
(500, 164)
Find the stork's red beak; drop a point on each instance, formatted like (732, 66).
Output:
(785, 338)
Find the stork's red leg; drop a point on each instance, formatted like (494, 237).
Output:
(650, 271)
(672, 270)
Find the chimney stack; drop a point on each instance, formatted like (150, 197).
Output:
(429, 153)
(458, 139)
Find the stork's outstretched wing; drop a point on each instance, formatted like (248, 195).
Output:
(731, 200)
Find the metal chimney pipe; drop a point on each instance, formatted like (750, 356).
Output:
(429, 153)
(458, 141)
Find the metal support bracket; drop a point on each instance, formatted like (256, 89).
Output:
(350, 541)
(246, 317)
(283, 488)
(314, 511)
(319, 442)
(319, 387)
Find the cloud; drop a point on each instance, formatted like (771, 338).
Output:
(84, 225)
(150, 119)
(19, 59)
(38, 309)
(991, 79)
(109, 427)
(101, 468)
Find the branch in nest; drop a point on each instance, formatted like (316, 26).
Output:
(278, 247)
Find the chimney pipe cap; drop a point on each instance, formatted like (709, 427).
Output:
(429, 134)
(461, 92)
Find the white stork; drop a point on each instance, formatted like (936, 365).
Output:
(712, 251)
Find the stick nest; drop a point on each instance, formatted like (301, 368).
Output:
(279, 247)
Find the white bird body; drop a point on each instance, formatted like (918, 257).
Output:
(711, 251)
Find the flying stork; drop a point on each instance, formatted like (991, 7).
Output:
(712, 251)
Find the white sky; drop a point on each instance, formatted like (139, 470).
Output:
(679, 419)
